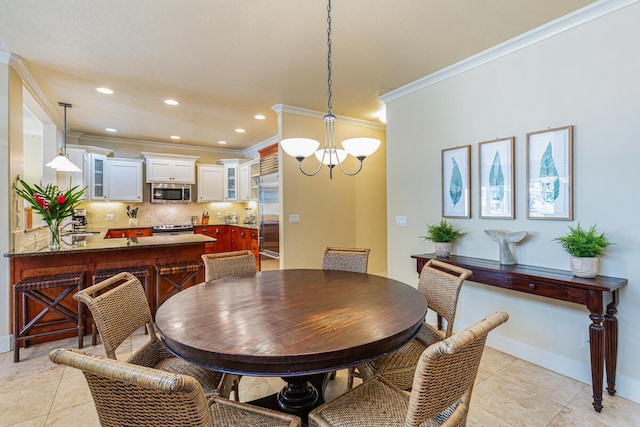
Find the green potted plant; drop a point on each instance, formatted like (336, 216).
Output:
(443, 235)
(584, 246)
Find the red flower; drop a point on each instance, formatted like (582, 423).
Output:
(39, 200)
(61, 199)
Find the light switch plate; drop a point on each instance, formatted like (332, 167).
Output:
(401, 221)
(294, 219)
(111, 217)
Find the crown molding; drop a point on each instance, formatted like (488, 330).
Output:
(581, 16)
(31, 84)
(284, 108)
(260, 145)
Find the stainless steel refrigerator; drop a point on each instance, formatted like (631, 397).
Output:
(269, 215)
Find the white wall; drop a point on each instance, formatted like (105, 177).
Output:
(586, 76)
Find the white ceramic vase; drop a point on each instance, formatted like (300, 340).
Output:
(584, 267)
(443, 249)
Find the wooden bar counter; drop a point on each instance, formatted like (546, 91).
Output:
(91, 253)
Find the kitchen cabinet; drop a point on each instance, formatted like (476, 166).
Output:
(254, 246)
(249, 177)
(210, 187)
(220, 232)
(128, 233)
(240, 238)
(124, 180)
(170, 168)
(97, 176)
(230, 179)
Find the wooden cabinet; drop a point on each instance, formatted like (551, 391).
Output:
(210, 188)
(170, 168)
(124, 179)
(220, 232)
(240, 238)
(120, 233)
(254, 246)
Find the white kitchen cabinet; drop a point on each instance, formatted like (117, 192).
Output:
(97, 176)
(248, 178)
(93, 176)
(170, 168)
(210, 186)
(124, 180)
(230, 180)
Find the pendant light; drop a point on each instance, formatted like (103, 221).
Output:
(330, 155)
(61, 162)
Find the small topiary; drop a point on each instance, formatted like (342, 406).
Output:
(582, 243)
(443, 232)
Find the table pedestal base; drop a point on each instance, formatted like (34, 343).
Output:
(298, 397)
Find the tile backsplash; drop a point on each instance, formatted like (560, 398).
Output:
(150, 214)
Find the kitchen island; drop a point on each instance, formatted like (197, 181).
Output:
(94, 252)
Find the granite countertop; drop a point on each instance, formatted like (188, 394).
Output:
(92, 243)
(211, 224)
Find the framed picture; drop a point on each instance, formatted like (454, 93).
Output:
(496, 178)
(456, 182)
(550, 174)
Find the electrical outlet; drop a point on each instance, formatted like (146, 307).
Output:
(585, 341)
(294, 219)
(111, 217)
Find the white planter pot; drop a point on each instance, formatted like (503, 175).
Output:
(443, 249)
(584, 267)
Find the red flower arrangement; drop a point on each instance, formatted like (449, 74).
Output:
(51, 203)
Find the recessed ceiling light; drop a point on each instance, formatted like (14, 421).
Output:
(111, 130)
(240, 130)
(171, 102)
(104, 90)
(222, 142)
(175, 137)
(259, 117)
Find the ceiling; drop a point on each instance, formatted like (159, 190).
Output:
(226, 61)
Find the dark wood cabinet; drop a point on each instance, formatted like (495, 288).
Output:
(219, 232)
(231, 238)
(120, 233)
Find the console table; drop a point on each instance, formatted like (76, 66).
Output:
(599, 295)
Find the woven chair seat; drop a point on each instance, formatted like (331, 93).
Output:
(178, 267)
(345, 259)
(440, 395)
(190, 272)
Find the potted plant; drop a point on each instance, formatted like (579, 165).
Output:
(443, 235)
(584, 247)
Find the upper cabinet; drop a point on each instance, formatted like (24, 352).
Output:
(170, 168)
(92, 161)
(210, 187)
(124, 180)
(249, 177)
(230, 180)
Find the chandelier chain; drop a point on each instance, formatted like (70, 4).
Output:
(329, 105)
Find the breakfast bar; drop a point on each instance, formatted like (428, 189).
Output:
(90, 253)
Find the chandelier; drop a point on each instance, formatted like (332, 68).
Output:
(61, 162)
(330, 155)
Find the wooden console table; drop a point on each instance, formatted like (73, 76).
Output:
(599, 295)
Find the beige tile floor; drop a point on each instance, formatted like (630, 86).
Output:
(508, 392)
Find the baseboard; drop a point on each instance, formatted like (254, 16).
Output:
(5, 343)
(628, 388)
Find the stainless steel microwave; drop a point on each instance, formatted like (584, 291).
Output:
(170, 193)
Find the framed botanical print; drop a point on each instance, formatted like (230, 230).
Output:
(456, 182)
(550, 174)
(496, 178)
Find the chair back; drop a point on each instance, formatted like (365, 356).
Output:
(445, 374)
(440, 283)
(345, 259)
(126, 394)
(119, 310)
(217, 266)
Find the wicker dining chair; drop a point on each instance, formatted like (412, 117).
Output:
(127, 394)
(440, 283)
(345, 259)
(120, 311)
(217, 266)
(441, 392)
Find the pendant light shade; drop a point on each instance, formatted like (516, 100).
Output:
(329, 155)
(61, 162)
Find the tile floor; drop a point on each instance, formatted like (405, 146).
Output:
(508, 392)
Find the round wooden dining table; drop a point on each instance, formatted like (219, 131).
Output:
(292, 324)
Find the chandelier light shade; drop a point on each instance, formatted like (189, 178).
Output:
(329, 155)
(61, 162)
